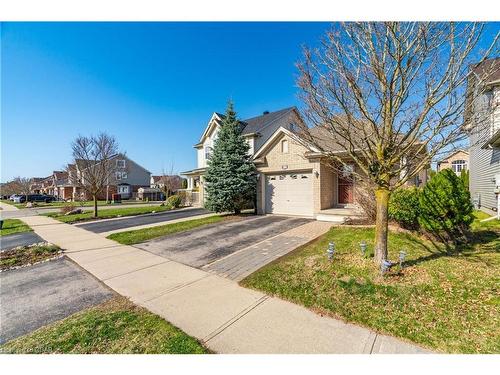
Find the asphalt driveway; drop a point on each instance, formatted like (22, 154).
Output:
(19, 239)
(35, 296)
(209, 243)
(129, 222)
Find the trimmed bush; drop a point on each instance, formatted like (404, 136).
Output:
(446, 208)
(464, 176)
(174, 201)
(404, 207)
(67, 207)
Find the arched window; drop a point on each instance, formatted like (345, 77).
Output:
(458, 165)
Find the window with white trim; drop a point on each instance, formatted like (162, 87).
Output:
(121, 175)
(458, 165)
(124, 189)
(120, 163)
(347, 170)
(284, 146)
(208, 152)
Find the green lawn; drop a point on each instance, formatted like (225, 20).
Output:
(106, 214)
(61, 204)
(444, 302)
(11, 226)
(27, 255)
(141, 235)
(77, 204)
(114, 327)
(490, 224)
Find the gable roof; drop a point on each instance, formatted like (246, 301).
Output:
(281, 131)
(443, 159)
(157, 179)
(80, 163)
(264, 125)
(258, 123)
(488, 69)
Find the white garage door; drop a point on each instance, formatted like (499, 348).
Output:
(289, 194)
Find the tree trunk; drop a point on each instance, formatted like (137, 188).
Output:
(381, 224)
(95, 205)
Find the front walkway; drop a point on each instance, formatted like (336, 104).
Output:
(242, 263)
(224, 316)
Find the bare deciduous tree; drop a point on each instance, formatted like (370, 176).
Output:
(22, 185)
(9, 188)
(389, 97)
(93, 157)
(169, 182)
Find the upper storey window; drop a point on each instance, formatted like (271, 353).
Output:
(458, 165)
(284, 146)
(208, 152)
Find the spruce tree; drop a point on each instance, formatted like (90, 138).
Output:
(231, 178)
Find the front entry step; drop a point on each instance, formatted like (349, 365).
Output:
(338, 219)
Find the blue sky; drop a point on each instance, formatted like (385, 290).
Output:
(152, 85)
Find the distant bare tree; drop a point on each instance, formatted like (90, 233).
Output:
(93, 158)
(22, 185)
(8, 188)
(169, 182)
(389, 97)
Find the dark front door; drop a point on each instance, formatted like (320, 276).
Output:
(346, 190)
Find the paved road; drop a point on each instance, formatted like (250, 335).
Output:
(19, 239)
(44, 293)
(204, 245)
(133, 221)
(24, 212)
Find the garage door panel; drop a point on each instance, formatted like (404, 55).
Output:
(289, 194)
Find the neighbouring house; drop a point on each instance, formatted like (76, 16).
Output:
(294, 178)
(483, 121)
(158, 182)
(126, 179)
(58, 185)
(36, 184)
(150, 194)
(457, 160)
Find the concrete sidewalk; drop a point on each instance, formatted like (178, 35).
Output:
(8, 207)
(224, 316)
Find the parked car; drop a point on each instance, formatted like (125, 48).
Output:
(13, 196)
(36, 198)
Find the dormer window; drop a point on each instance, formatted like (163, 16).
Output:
(120, 163)
(284, 146)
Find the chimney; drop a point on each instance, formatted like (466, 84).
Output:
(265, 112)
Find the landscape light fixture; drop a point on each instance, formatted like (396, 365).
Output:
(331, 250)
(385, 266)
(363, 247)
(402, 256)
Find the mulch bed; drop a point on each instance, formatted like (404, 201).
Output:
(23, 256)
